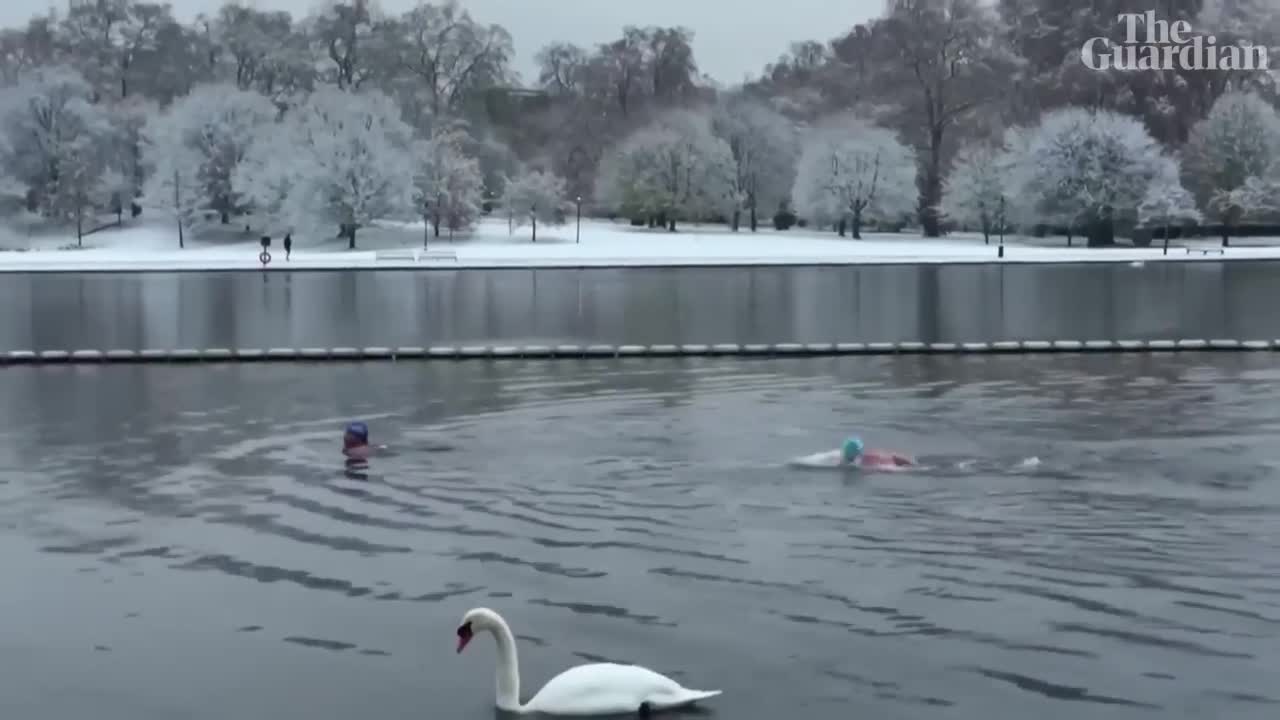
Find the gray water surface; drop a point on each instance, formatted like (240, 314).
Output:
(182, 542)
(951, 303)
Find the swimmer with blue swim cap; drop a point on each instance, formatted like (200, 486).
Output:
(355, 441)
(357, 433)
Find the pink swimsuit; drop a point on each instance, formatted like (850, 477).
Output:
(883, 460)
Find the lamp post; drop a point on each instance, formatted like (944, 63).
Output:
(1001, 226)
(578, 201)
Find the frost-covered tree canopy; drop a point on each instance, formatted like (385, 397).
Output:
(975, 192)
(216, 124)
(851, 171)
(1232, 159)
(675, 168)
(448, 186)
(764, 146)
(340, 160)
(536, 196)
(1167, 202)
(57, 142)
(174, 188)
(1087, 167)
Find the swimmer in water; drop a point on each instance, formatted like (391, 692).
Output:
(355, 442)
(855, 454)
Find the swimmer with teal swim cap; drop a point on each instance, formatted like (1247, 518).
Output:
(854, 453)
(852, 449)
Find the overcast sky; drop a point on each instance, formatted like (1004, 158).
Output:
(732, 38)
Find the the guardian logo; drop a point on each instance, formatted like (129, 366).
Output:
(1154, 44)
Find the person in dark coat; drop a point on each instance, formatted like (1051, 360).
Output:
(288, 245)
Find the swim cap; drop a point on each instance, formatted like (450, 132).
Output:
(852, 448)
(358, 429)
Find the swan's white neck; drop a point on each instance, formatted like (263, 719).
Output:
(508, 674)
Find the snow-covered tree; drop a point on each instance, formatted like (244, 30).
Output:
(271, 170)
(974, 192)
(58, 144)
(674, 168)
(1233, 157)
(1088, 168)
(448, 186)
(262, 52)
(445, 54)
(348, 38)
(1248, 19)
(851, 171)
(129, 118)
(173, 188)
(764, 147)
(536, 196)
(1167, 202)
(217, 123)
(351, 161)
(85, 183)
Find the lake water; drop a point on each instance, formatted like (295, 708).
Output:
(182, 542)
(956, 303)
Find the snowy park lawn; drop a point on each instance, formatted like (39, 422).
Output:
(399, 245)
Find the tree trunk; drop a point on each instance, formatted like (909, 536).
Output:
(931, 186)
(857, 225)
(225, 217)
(1069, 236)
(1226, 233)
(1166, 239)
(652, 222)
(181, 240)
(671, 227)
(840, 227)
(426, 230)
(79, 228)
(736, 222)
(535, 228)
(755, 225)
(986, 232)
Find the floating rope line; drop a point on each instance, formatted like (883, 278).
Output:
(497, 352)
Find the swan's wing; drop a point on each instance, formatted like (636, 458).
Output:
(608, 688)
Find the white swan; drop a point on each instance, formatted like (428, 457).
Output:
(595, 689)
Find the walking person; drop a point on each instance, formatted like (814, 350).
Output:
(288, 245)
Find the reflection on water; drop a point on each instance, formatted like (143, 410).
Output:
(952, 303)
(186, 542)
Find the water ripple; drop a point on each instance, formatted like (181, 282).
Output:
(644, 510)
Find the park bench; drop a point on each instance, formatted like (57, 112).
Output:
(1203, 250)
(405, 254)
(440, 255)
(416, 255)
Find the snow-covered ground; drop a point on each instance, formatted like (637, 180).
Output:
(393, 245)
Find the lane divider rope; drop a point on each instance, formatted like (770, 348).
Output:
(497, 352)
